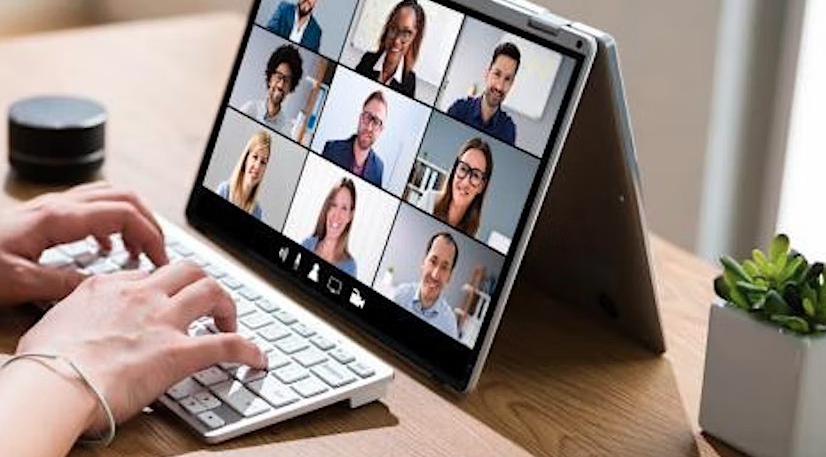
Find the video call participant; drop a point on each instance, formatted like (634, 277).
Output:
(332, 229)
(243, 185)
(356, 154)
(424, 297)
(401, 38)
(281, 77)
(295, 22)
(485, 112)
(460, 202)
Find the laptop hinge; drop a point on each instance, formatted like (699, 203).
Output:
(548, 22)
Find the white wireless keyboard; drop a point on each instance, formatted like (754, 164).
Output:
(311, 365)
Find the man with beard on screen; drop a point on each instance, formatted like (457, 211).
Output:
(282, 75)
(356, 154)
(295, 22)
(485, 112)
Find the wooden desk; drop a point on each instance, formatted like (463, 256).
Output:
(556, 384)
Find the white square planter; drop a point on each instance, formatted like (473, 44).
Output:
(764, 389)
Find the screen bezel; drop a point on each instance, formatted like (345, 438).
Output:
(438, 354)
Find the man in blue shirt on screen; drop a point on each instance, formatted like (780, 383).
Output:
(356, 153)
(296, 23)
(424, 297)
(485, 112)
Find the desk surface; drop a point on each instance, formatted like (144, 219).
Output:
(564, 390)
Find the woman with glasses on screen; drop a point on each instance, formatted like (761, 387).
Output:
(401, 38)
(460, 202)
(245, 182)
(332, 229)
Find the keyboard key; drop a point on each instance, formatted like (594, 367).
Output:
(266, 305)
(240, 398)
(309, 387)
(198, 260)
(182, 250)
(214, 271)
(231, 282)
(101, 267)
(211, 419)
(184, 388)
(291, 344)
(247, 374)
(361, 369)
(274, 332)
(265, 347)
(78, 249)
(210, 376)
(291, 373)
(192, 405)
(309, 357)
(54, 258)
(322, 343)
(284, 316)
(121, 259)
(274, 392)
(243, 307)
(333, 374)
(207, 399)
(303, 330)
(275, 359)
(341, 356)
(256, 320)
(249, 294)
(199, 330)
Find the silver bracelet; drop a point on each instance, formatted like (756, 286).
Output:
(105, 439)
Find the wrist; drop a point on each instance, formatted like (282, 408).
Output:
(54, 388)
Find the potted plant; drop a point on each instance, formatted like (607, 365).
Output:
(764, 387)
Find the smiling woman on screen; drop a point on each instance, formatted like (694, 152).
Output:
(332, 229)
(245, 182)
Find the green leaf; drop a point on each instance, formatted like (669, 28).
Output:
(721, 288)
(778, 248)
(748, 287)
(808, 307)
(793, 323)
(751, 269)
(734, 267)
(788, 272)
(763, 264)
(776, 305)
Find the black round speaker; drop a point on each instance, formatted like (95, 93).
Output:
(56, 139)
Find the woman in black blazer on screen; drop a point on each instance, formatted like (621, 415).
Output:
(401, 38)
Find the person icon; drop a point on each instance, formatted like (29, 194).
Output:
(485, 111)
(313, 275)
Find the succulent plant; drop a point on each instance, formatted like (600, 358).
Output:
(780, 287)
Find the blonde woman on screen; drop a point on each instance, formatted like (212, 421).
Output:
(332, 229)
(460, 202)
(245, 182)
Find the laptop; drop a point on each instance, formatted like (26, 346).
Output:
(391, 159)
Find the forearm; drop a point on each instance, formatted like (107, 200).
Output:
(44, 408)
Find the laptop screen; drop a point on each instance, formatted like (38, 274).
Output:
(384, 155)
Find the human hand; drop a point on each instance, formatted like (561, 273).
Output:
(128, 333)
(95, 209)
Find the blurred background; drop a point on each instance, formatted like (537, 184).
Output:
(727, 99)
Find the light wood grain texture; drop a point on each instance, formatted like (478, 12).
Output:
(556, 384)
